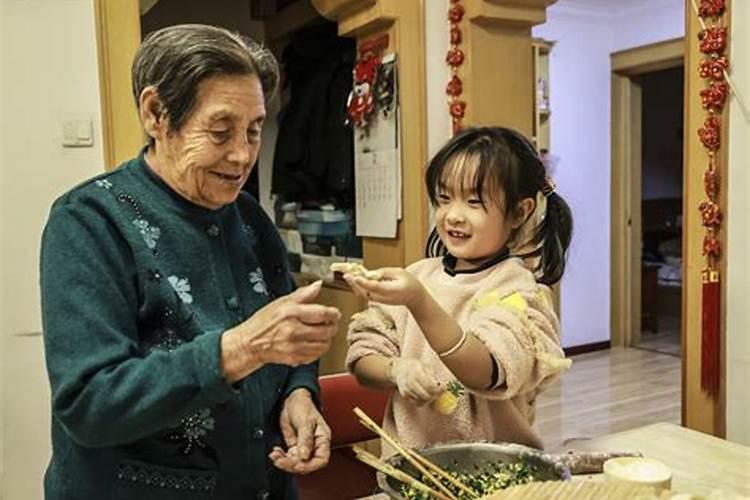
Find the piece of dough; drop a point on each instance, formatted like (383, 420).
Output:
(355, 269)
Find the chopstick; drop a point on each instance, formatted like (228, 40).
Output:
(417, 460)
(370, 424)
(445, 475)
(399, 475)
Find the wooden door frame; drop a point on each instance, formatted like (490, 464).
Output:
(625, 187)
(118, 35)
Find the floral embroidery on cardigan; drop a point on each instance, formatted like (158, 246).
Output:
(160, 479)
(257, 281)
(104, 183)
(150, 233)
(182, 287)
(192, 429)
(166, 339)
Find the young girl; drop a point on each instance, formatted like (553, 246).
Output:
(477, 313)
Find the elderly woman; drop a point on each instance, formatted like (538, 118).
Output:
(181, 360)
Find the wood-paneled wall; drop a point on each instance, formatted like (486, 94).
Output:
(699, 411)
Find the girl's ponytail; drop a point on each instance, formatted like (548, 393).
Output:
(554, 233)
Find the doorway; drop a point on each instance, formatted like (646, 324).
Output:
(629, 68)
(662, 111)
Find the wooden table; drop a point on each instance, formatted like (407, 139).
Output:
(700, 463)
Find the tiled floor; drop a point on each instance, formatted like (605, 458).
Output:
(609, 391)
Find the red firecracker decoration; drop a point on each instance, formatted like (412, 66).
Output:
(712, 42)
(455, 59)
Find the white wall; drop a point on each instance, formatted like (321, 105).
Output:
(637, 23)
(738, 236)
(49, 73)
(580, 139)
(437, 75)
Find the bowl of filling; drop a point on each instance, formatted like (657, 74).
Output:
(483, 467)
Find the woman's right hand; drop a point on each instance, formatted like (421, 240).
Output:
(414, 380)
(290, 331)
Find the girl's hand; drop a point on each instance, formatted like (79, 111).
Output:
(396, 286)
(414, 380)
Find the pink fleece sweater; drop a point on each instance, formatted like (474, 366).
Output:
(510, 313)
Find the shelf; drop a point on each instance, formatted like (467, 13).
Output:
(541, 81)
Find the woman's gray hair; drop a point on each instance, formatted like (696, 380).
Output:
(176, 59)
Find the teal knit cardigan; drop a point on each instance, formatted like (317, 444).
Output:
(137, 286)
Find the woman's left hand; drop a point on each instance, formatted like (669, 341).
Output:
(307, 436)
(396, 287)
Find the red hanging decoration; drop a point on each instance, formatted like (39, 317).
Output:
(713, 97)
(710, 134)
(712, 42)
(455, 35)
(710, 341)
(711, 8)
(458, 108)
(454, 87)
(455, 59)
(713, 68)
(711, 183)
(456, 12)
(361, 102)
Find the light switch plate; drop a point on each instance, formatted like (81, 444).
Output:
(77, 134)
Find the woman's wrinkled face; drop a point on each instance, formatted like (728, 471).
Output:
(209, 159)
(472, 232)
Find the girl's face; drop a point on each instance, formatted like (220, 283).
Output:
(472, 232)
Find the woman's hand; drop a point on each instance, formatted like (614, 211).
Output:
(289, 331)
(307, 436)
(396, 286)
(414, 380)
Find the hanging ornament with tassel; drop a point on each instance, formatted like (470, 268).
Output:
(712, 44)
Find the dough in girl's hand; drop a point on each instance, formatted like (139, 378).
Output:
(355, 269)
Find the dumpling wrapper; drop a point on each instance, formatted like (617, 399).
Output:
(355, 269)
